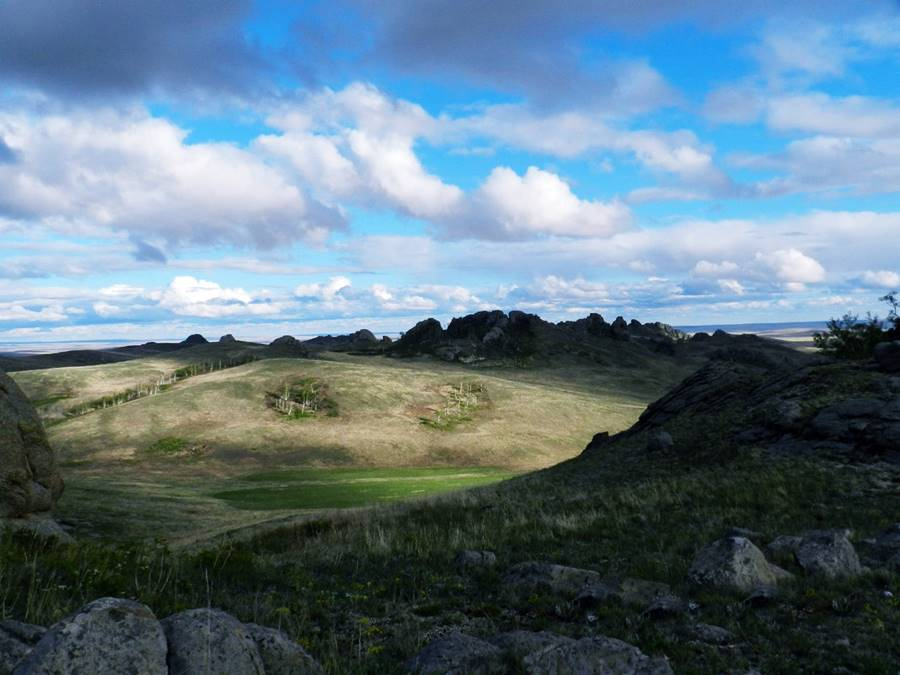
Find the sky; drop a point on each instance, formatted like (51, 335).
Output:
(273, 167)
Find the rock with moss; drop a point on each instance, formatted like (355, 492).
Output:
(109, 635)
(30, 481)
(736, 564)
(210, 641)
(281, 655)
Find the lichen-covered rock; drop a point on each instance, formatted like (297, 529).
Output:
(29, 479)
(598, 654)
(210, 641)
(825, 552)
(281, 655)
(457, 654)
(528, 577)
(734, 563)
(109, 635)
(40, 527)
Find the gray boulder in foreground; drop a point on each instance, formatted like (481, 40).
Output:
(108, 635)
(457, 654)
(734, 563)
(211, 642)
(281, 655)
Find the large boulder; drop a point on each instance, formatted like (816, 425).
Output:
(421, 338)
(210, 641)
(29, 479)
(734, 563)
(16, 643)
(109, 635)
(194, 340)
(281, 655)
(457, 654)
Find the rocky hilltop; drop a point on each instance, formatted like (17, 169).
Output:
(520, 336)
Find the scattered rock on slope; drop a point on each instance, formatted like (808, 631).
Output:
(528, 577)
(734, 563)
(825, 552)
(457, 654)
(29, 479)
(281, 655)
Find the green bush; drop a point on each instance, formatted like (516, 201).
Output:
(852, 338)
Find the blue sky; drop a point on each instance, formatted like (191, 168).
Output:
(275, 167)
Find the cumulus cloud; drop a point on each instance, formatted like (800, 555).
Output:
(885, 279)
(541, 202)
(188, 296)
(133, 173)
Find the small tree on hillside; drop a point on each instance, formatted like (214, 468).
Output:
(852, 338)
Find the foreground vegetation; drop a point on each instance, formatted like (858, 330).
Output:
(363, 590)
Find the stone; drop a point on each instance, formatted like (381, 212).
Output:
(474, 559)
(884, 547)
(109, 635)
(227, 339)
(743, 532)
(30, 481)
(598, 654)
(12, 650)
(457, 654)
(40, 527)
(423, 337)
(635, 592)
(522, 643)
(26, 632)
(210, 641)
(528, 577)
(194, 340)
(708, 633)
(887, 355)
(734, 563)
(828, 553)
(281, 655)
(661, 441)
(785, 415)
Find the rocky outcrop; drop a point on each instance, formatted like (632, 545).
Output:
(362, 340)
(30, 481)
(227, 339)
(646, 595)
(475, 559)
(287, 346)
(108, 635)
(520, 336)
(111, 635)
(597, 654)
(193, 340)
(735, 564)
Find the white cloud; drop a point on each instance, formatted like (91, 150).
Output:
(850, 116)
(123, 291)
(792, 267)
(328, 292)
(187, 296)
(131, 172)
(705, 268)
(541, 202)
(885, 279)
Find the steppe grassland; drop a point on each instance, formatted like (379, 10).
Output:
(126, 475)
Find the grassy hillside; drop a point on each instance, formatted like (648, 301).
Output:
(364, 590)
(190, 459)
